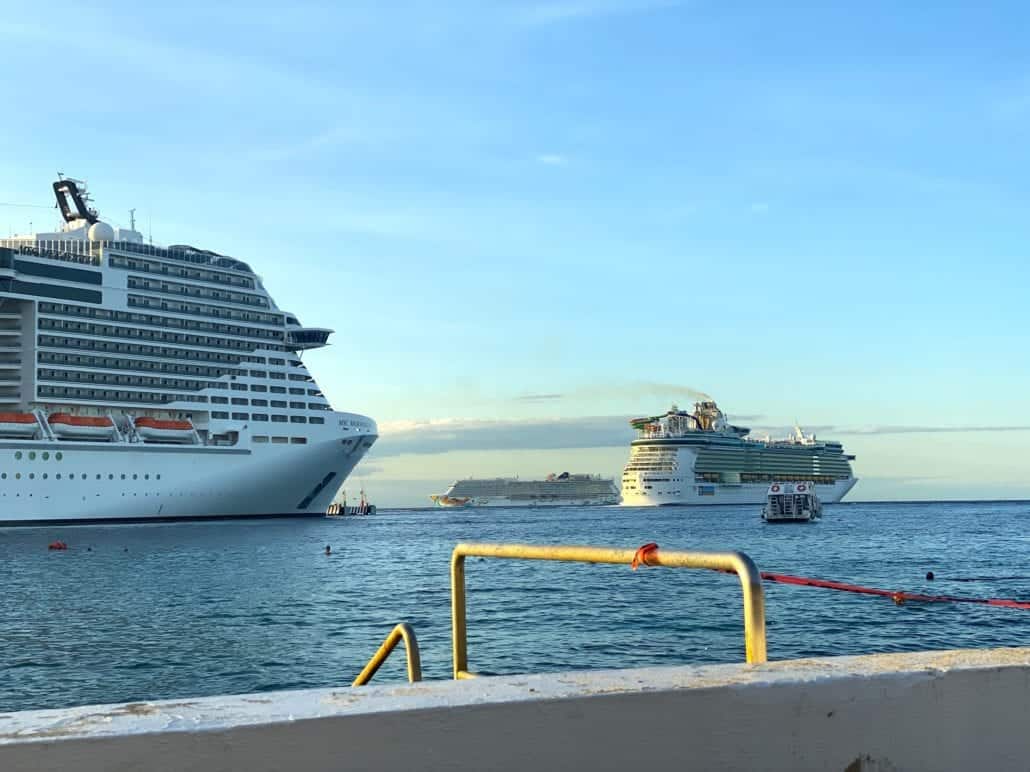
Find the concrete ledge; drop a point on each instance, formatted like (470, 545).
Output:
(951, 710)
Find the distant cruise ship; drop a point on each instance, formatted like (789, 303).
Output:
(139, 382)
(699, 458)
(561, 490)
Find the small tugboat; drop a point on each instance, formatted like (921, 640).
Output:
(340, 508)
(791, 502)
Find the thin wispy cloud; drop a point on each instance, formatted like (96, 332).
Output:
(541, 14)
(552, 159)
(444, 435)
(538, 397)
(760, 207)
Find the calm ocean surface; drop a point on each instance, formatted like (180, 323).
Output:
(137, 612)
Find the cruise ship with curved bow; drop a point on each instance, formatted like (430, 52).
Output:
(700, 458)
(556, 490)
(141, 382)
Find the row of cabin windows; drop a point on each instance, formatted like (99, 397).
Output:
(274, 403)
(275, 418)
(141, 349)
(202, 309)
(109, 395)
(182, 272)
(112, 363)
(143, 381)
(192, 290)
(70, 309)
(109, 331)
(281, 440)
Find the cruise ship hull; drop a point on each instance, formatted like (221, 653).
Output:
(114, 482)
(507, 502)
(708, 494)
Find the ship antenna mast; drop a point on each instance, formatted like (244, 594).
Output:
(132, 219)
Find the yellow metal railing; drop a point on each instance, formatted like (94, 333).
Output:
(738, 562)
(401, 632)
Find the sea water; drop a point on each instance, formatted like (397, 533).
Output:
(140, 612)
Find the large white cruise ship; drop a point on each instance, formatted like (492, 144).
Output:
(140, 382)
(557, 490)
(699, 458)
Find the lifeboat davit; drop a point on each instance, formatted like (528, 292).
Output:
(18, 425)
(81, 427)
(161, 430)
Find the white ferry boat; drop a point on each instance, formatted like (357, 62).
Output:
(561, 490)
(140, 382)
(700, 458)
(791, 502)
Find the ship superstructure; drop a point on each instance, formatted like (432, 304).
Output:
(143, 382)
(556, 490)
(700, 458)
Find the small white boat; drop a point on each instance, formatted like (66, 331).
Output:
(340, 508)
(791, 502)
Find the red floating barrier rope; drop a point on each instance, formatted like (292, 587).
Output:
(895, 595)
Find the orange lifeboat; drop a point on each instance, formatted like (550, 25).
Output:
(81, 427)
(163, 430)
(18, 425)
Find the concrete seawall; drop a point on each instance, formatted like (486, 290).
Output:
(951, 710)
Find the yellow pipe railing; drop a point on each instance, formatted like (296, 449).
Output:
(738, 562)
(401, 632)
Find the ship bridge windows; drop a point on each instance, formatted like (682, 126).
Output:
(316, 420)
(258, 387)
(278, 419)
(278, 403)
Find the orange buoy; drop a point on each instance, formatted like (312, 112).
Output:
(57, 545)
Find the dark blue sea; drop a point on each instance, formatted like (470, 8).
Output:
(134, 612)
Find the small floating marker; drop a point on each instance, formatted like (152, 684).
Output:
(57, 545)
(328, 550)
(929, 576)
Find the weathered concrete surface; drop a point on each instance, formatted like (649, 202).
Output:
(954, 710)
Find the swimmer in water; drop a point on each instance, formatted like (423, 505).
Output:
(929, 575)
(328, 550)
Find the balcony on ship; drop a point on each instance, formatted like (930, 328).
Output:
(302, 338)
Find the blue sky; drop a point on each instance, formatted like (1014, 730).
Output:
(534, 219)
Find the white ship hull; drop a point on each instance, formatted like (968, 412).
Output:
(99, 481)
(718, 493)
(501, 501)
